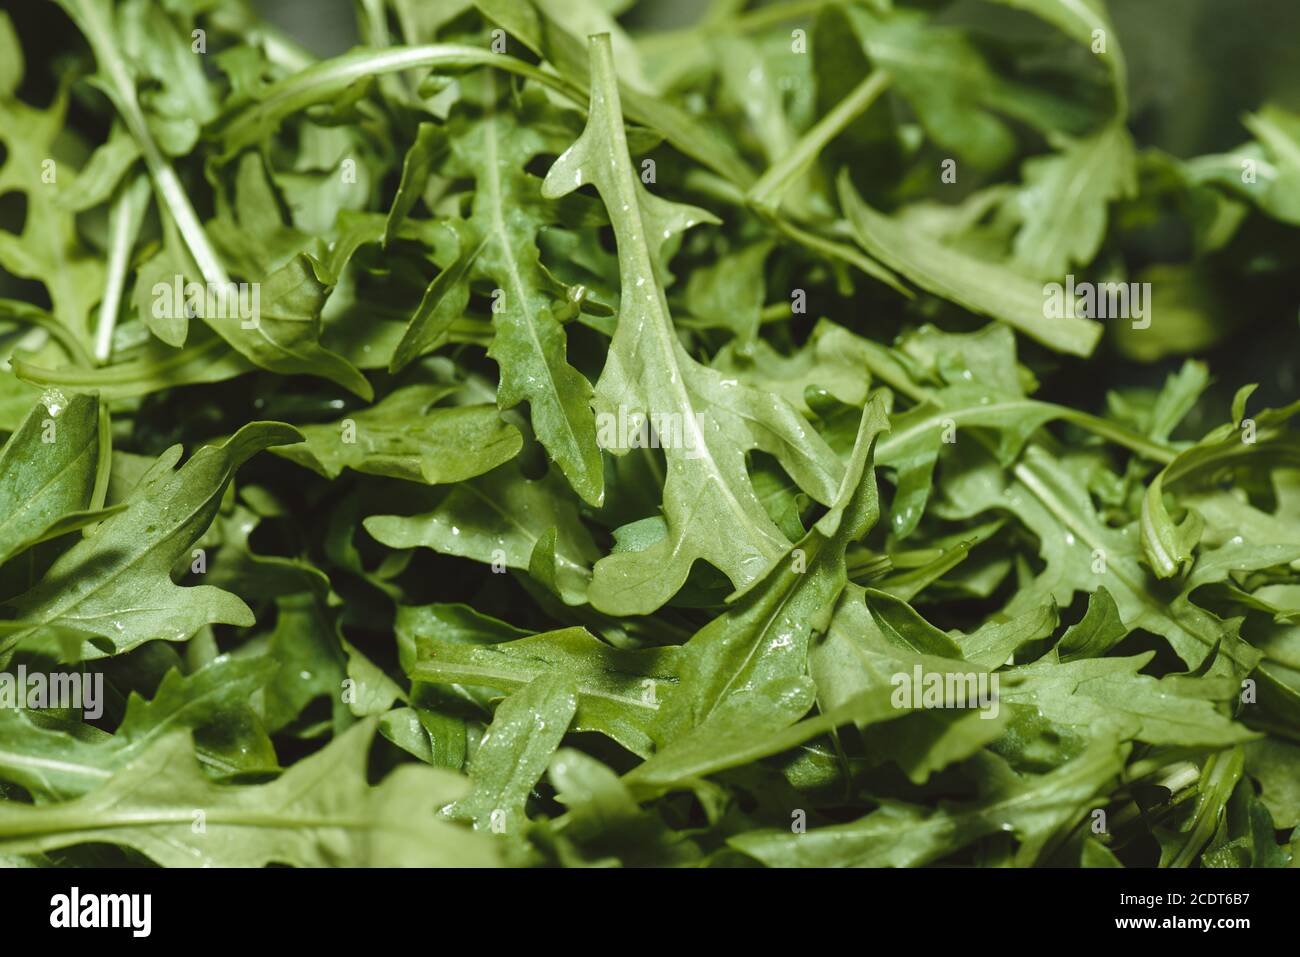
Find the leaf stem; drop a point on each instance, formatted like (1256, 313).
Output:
(766, 193)
(28, 314)
(171, 194)
(323, 80)
(1120, 435)
(123, 222)
(883, 367)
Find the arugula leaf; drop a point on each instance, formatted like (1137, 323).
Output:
(900, 835)
(1167, 546)
(283, 336)
(1082, 553)
(1072, 186)
(1190, 829)
(1109, 693)
(617, 690)
(616, 500)
(647, 373)
(48, 249)
(321, 812)
(1273, 763)
(48, 473)
(529, 345)
(525, 731)
(946, 80)
(499, 518)
(1096, 632)
(979, 286)
(150, 367)
(450, 445)
(444, 299)
(761, 641)
(55, 762)
(604, 820)
(116, 585)
(1279, 132)
(305, 642)
(1245, 837)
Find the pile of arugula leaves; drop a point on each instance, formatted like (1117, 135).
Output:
(381, 562)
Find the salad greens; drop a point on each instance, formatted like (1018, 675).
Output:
(793, 437)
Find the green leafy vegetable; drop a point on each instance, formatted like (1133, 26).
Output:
(798, 433)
